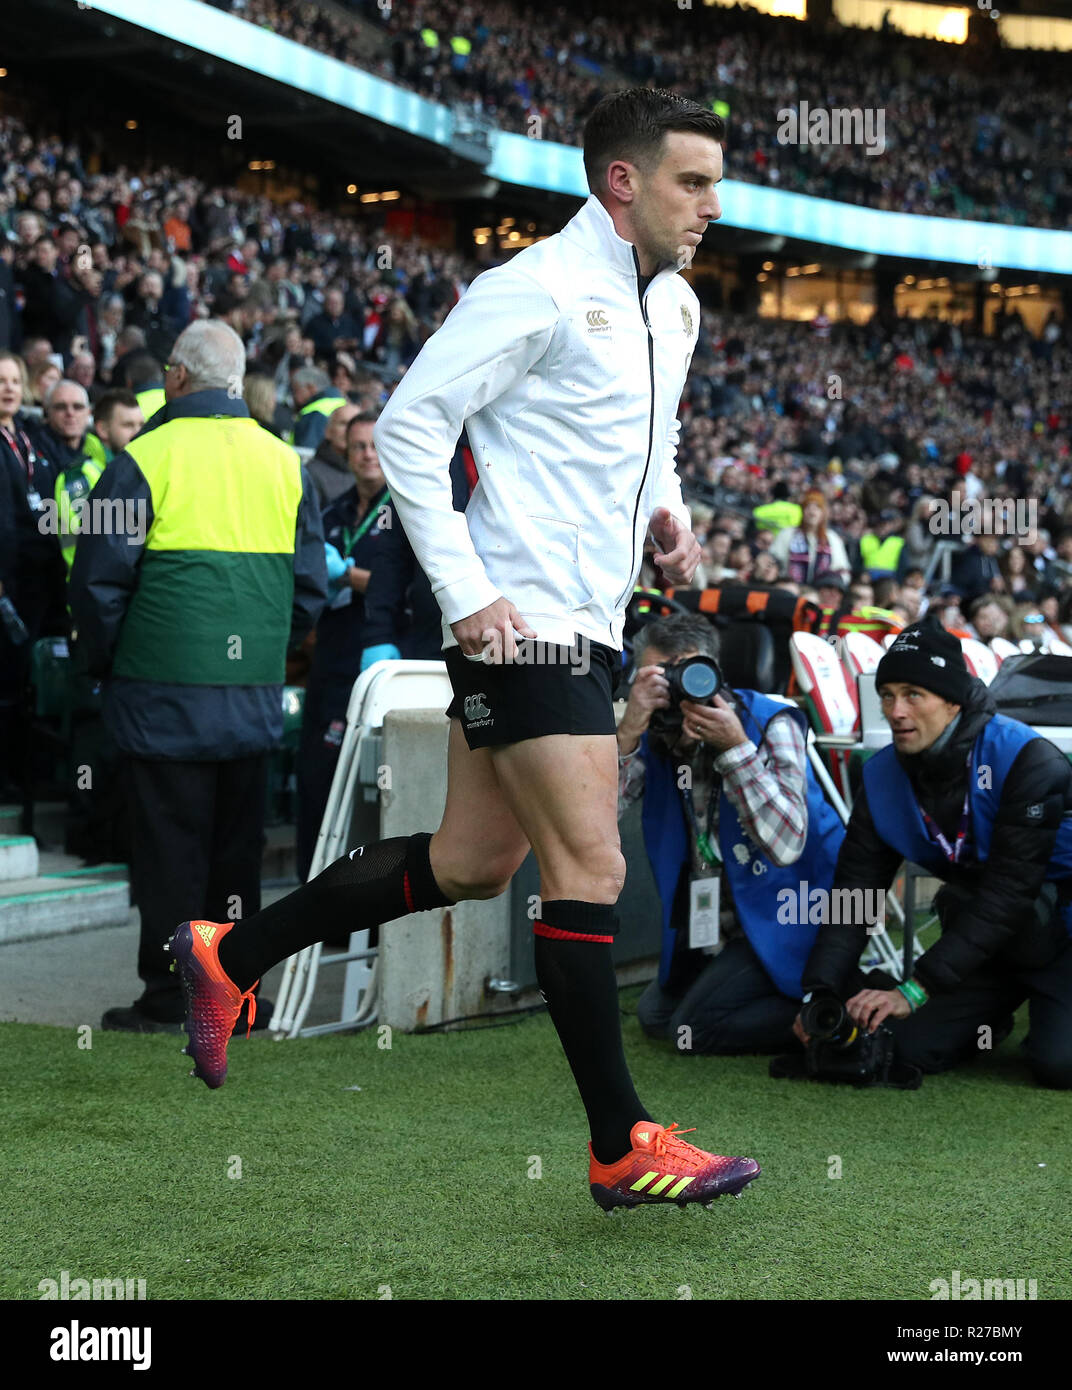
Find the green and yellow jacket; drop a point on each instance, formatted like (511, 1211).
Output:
(212, 571)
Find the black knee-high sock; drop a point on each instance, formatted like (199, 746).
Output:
(575, 972)
(366, 887)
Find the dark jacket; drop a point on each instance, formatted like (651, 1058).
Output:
(157, 719)
(991, 915)
(340, 631)
(28, 554)
(400, 608)
(10, 330)
(54, 308)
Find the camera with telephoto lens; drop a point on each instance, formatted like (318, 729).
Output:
(696, 678)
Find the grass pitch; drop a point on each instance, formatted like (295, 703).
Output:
(331, 1168)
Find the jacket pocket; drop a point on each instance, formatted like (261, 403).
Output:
(557, 544)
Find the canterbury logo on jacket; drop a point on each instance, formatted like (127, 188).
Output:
(568, 387)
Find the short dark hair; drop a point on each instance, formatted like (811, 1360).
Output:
(632, 124)
(363, 417)
(142, 369)
(112, 401)
(677, 634)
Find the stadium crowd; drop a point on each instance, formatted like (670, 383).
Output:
(968, 131)
(870, 426)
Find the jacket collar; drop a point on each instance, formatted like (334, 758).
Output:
(201, 405)
(593, 227)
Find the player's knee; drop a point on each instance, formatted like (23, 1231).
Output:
(605, 870)
(485, 877)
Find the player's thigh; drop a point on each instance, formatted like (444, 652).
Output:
(479, 845)
(563, 791)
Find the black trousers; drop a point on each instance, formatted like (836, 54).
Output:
(323, 726)
(953, 1028)
(196, 847)
(731, 1007)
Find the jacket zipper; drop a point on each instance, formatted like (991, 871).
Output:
(651, 427)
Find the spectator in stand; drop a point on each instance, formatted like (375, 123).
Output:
(315, 399)
(140, 372)
(117, 418)
(330, 467)
(988, 618)
(9, 317)
(1020, 579)
(258, 391)
(334, 330)
(352, 526)
(812, 549)
(42, 378)
(56, 307)
(976, 570)
(61, 438)
(779, 513)
(83, 369)
(31, 568)
(399, 337)
(147, 314)
(881, 545)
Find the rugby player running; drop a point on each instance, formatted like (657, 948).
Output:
(565, 366)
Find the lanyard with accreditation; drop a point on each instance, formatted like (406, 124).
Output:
(351, 538)
(704, 884)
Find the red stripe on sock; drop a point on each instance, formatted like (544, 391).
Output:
(408, 891)
(542, 929)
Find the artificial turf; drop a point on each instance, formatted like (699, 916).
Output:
(116, 1165)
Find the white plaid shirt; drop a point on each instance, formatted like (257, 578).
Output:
(767, 787)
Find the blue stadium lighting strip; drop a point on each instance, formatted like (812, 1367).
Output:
(558, 168)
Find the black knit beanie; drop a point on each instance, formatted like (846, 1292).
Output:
(926, 655)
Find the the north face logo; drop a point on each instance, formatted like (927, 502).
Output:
(475, 708)
(205, 932)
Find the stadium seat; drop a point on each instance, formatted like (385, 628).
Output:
(829, 701)
(859, 655)
(979, 659)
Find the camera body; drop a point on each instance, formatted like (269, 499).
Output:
(696, 678)
(839, 1050)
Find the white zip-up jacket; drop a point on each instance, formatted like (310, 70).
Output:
(568, 388)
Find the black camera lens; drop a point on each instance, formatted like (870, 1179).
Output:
(826, 1019)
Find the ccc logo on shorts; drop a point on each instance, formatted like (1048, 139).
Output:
(597, 319)
(475, 708)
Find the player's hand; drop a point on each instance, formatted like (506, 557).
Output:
(650, 691)
(679, 550)
(871, 1006)
(798, 1029)
(716, 724)
(489, 634)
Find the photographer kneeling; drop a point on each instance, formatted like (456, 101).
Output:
(732, 811)
(984, 803)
